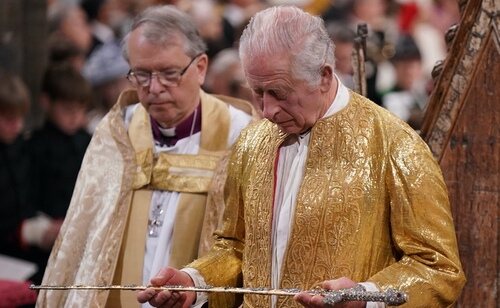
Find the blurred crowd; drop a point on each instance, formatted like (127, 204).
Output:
(86, 73)
(405, 40)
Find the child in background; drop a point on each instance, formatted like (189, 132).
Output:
(58, 148)
(24, 234)
(63, 50)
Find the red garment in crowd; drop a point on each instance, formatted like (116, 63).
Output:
(15, 293)
(407, 14)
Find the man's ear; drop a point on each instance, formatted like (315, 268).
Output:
(202, 66)
(326, 78)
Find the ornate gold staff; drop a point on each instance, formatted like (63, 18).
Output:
(390, 296)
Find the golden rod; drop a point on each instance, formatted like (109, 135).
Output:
(390, 296)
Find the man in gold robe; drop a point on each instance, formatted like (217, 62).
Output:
(140, 201)
(329, 189)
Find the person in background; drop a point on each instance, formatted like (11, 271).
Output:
(343, 38)
(142, 200)
(106, 70)
(69, 21)
(408, 97)
(382, 31)
(24, 233)
(235, 15)
(225, 76)
(427, 22)
(63, 50)
(208, 21)
(57, 148)
(106, 19)
(329, 189)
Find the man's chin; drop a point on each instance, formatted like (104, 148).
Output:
(160, 117)
(289, 129)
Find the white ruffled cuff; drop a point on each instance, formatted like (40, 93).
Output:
(201, 297)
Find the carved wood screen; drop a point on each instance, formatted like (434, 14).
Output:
(461, 126)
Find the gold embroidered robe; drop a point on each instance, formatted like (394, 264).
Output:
(372, 206)
(115, 170)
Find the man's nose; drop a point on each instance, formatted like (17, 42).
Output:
(155, 85)
(269, 107)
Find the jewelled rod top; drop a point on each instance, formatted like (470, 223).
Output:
(391, 297)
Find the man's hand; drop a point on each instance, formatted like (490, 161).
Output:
(173, 277)
(316, 301)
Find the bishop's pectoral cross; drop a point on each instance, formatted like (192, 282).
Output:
(154, 223)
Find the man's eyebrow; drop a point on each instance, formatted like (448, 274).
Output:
(163, 69)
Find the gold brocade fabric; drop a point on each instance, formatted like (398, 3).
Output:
(186, 174)
(87, 249)
(372, 206)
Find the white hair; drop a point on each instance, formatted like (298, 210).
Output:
(289, 30)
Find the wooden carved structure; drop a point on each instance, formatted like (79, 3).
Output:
(461, 126)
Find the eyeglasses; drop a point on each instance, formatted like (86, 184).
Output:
(167, 78)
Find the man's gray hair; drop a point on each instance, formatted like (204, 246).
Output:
(290, 31)
(163, 24)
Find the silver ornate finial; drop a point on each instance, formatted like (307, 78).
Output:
(391, 297)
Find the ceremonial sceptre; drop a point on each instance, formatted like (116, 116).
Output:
(390, 296)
